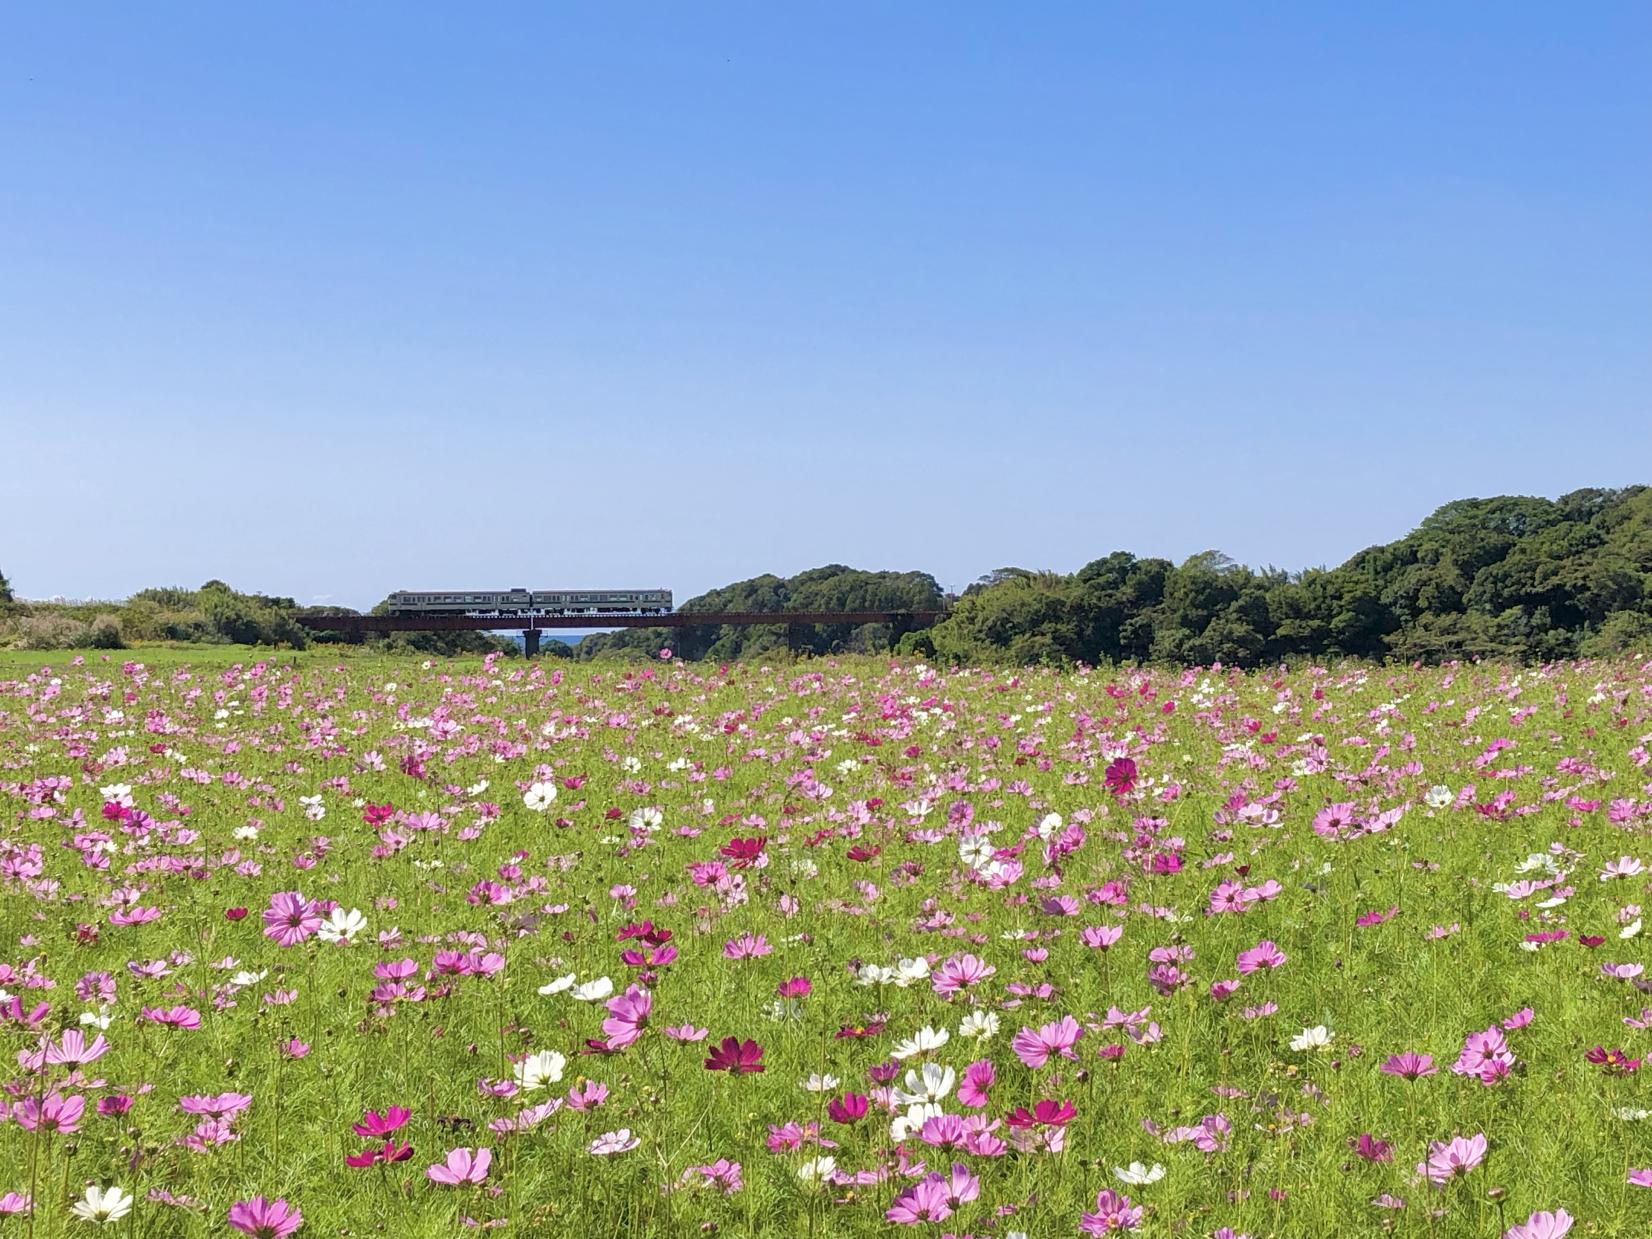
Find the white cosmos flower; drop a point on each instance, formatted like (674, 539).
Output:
(929, 1083)
(244, 978)
(1631, 929)
(922, 1042)
(975, 850)
(1138, 1175)
(1439, 796)
(817, 1083)
(1630, 1115)
(875, 974)
(538, 1070)
(1316, 1038)
(121, 794)
(910, 1123)
(539, 796)
(982, 1024)
(909, 970)
(246, 832)
(95, 1019)
(593, 991)
(342, 926)
(817, 1169)
(558, 985)
(1049, 826)
(649, 819)
(102, 1204)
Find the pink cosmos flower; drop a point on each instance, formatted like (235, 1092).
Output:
(1640, 1178)
(14, 1202)
(627, 1014)
(960, 972)
(1101, 937)
(1542, 1225)
(686, 1032)
(291, 918)
(462, 1166)
(922, 1202)
(1263, 955)
(978, 1078)
(71, 1049)
(1113, 1212)
(1035, 1048)
(172, 1017)
(1409, 1066)
(265, 1219)
(1449, 1159)
(54, 1112)
(1486, 1055)
(747, 946)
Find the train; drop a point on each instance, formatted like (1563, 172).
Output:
(506, 602)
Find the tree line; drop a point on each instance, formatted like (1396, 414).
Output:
(1507, 577)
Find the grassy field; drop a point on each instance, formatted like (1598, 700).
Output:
(416, 946)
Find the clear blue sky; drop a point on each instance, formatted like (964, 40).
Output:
(330, 299)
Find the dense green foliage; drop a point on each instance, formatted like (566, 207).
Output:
(1506, 577)
(830, 588)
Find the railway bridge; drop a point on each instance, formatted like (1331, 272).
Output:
(531, 625)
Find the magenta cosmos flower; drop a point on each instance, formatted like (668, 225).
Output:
(736, 1057)
(265, 1219)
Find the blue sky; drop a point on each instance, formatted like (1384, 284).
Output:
(329, 300)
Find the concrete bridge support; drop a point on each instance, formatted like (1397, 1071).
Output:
(530, 642)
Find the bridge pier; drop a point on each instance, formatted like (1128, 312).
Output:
(530, 642)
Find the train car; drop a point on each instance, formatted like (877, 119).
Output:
(506, 602)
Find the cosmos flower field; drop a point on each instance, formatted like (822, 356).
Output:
(355, 946)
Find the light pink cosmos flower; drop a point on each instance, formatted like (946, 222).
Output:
(462, 1166)
(611, 1142)
(1449, 1159)
(15, 1202)
(1035, 1048)
(686, 1032)
(1541, 1225)
(1640, 1178)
